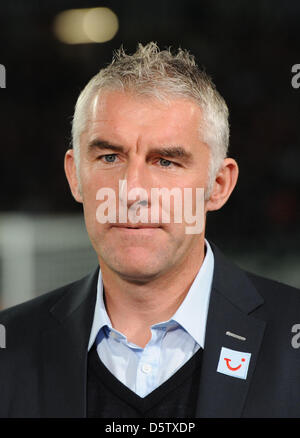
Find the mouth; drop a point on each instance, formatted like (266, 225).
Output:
(136, 227)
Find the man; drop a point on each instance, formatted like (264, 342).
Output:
(167, 326)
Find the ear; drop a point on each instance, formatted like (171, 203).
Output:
(71, 174)
(224, 184)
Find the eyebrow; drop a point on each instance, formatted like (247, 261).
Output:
(173, 152)
(104, 145)
(166, 151)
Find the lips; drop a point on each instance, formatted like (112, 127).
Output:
(136, 227)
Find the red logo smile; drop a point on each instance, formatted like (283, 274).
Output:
(232, 368)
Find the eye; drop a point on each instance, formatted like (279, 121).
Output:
(165, 163)
(109, 158)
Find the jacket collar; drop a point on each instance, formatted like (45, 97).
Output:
(64, 351)
(232, 304)
(234, 284)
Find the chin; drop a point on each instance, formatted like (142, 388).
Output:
(136, 267)
(137, 276)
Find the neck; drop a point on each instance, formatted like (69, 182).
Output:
(133, 307)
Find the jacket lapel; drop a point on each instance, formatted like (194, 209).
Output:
(233, 299)
(64, 351)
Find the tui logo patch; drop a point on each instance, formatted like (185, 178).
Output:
(234, 363)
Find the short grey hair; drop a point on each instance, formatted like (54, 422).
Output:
(161, 74)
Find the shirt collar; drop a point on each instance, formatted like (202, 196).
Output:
(101, 317)
(191, 314)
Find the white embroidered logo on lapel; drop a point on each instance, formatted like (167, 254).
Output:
(234, 363)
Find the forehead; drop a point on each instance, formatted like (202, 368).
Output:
(123, 115)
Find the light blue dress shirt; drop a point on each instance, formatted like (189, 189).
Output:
(172, 344)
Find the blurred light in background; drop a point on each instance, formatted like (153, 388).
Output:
(89, 25)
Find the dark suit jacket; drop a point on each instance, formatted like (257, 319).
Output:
(43, 367)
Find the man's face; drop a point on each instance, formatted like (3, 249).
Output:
(150, 144)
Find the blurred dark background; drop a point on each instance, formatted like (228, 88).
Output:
(248, 48)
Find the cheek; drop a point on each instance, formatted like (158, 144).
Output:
(91, 182)
(90, 188)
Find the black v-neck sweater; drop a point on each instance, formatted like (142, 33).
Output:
(107, 397)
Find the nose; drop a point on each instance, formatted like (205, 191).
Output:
(136, 182)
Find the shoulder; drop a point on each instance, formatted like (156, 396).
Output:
(39, 304)
(228, 271)
(270, 299)
(272, 289)
(26, 320)
(281, 304)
